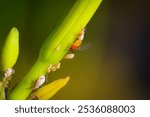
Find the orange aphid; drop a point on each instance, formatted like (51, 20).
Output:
(77, 43)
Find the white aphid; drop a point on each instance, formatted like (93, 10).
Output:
(53, 68)
(9, 72)
(81, 34)
(39, 82)
(69, 56)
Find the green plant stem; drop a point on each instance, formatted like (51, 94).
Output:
(57, 44)
(2, 91)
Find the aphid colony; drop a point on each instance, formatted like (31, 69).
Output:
(7, 76)
(77, 43)
(41, 80)
(8, 73)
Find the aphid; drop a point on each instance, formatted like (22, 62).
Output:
(9, 72)
(58, 65)
(53, 67)
(77, 43)
(69, 56)
(39, 82)
(81, 34)
(49, 68)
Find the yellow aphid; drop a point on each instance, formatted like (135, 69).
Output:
(54, 67)
(58, 65)
(49, 68)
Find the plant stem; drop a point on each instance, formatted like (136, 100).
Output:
(57, 44)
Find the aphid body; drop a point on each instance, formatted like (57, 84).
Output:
(39, 82)
(77, 43)
(54, 67)
(9, 72)
(69, 56)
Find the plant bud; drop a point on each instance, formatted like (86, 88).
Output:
(10, 50)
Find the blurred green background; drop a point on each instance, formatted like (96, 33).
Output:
(117, 66)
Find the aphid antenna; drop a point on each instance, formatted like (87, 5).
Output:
(33, 84)
(83, 28)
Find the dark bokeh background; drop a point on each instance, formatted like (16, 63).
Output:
(117, 66)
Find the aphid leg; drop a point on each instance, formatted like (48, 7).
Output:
(32, 86)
